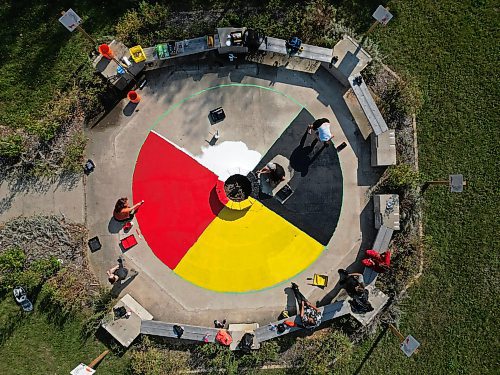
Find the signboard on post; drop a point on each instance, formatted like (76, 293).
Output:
(70, 20)
(382, 15)
(409, 345)
(456, 183)
(82, 369)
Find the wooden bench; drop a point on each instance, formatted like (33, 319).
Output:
(381, 245)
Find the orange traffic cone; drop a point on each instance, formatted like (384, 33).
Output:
(106, 51)
(133, 96)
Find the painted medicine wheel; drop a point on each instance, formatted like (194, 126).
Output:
(235, 243)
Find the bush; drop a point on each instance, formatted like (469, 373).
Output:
(75, 149)
(145, 25)
(11, 146)
(14, 272)
(148, 360)
(401, 99)
(216, 358)
(399, 177)
(101, 304)
(268, 352)
(65, 295)
(319, 353)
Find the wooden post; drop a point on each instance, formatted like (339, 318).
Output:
(372, 27)
(398, 334)
(96, 361)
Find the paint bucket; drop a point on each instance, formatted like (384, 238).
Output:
(106, 51)
(133, 96)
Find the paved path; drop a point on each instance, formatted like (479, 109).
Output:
(33, 197)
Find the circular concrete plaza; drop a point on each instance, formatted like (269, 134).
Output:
(197, 249)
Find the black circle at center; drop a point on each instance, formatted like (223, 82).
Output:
(238, 187)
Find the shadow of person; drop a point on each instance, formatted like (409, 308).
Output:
(301, 159)
(120, 285)
(114, 226)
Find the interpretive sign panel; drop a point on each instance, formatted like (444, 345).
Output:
(70, 20)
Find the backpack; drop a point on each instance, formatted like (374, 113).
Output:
(246, 342)
(360, 304)
(253, 38)
(223, 337)
(179, 331)
(293, 44)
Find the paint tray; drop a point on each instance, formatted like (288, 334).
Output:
(284, 193)
(128, 242)
(94, 244)
(320, 280)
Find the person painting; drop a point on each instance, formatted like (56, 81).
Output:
(322, 130)
(275, 171)
(123, 212)
(378, 262)
(309, 314)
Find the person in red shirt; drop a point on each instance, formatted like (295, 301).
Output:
(378, 262)
(123, 211)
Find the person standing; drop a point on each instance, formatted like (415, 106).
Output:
(322, 129)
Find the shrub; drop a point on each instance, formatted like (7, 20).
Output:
(216, 358)
(145, 25)
(101, 304)
(148, 360)
(65, 294)
(75, 149)
(11, 146)
(401, 176)
(318, 354)
(268, 352)
(14, 272)
(401, 99)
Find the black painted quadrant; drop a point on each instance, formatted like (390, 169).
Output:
(314, 207)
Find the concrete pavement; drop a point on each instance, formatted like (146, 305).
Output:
(174, 101)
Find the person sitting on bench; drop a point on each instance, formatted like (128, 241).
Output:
(309, 314)
(378, 262)
(275, 171)
(353, 283)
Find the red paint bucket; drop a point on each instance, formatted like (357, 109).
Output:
(106, 51)
(133, 96)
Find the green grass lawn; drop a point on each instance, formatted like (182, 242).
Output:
(37, 346)
(40, 55)
(451, 47)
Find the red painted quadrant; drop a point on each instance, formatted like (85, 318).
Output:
(180, 198)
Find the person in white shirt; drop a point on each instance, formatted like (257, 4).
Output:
(322, 129)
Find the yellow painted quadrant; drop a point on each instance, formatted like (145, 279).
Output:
(249, 250)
